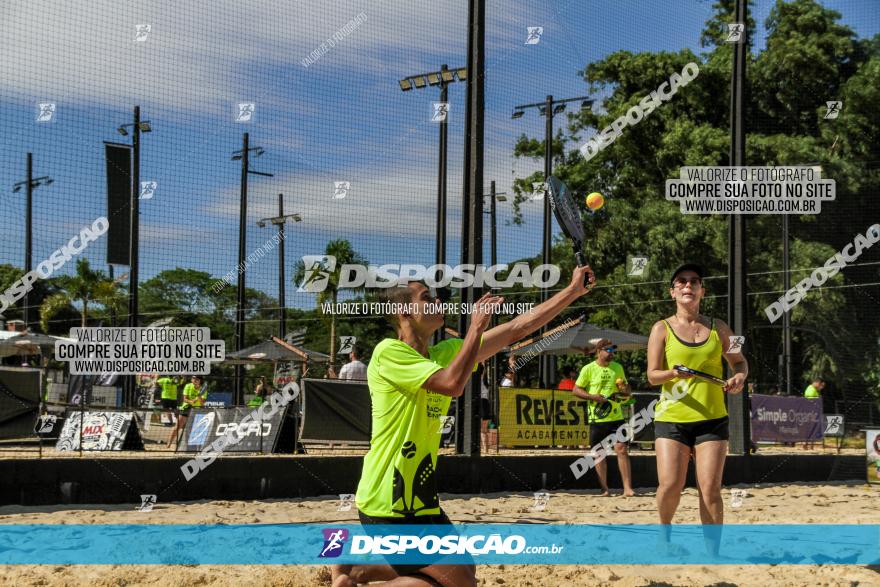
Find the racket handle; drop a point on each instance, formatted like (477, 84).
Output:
(582, 261)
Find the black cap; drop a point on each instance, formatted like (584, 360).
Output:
(698, 269)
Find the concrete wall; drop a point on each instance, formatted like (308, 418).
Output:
(98, 480)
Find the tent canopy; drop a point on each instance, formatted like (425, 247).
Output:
(570, 339)
(26, 343)
(273, 350)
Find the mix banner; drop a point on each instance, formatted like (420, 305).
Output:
(569, 544)
(786, 419)
(99, 431)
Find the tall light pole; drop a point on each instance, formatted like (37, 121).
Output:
(30, 183)
(279, 221)
(737, 302)
(493, 260)
(785, 362)
(549, 108)
(243, 156)
(137, 127)
(441, 78)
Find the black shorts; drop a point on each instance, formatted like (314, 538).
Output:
(602, 430)
(184, 409)
(485, 409)
(693, 433)
(440, 519)
(169, 404)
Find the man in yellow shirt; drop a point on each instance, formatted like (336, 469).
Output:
(814, 391)
(604, 383)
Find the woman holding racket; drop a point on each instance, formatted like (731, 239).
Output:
(696, 424)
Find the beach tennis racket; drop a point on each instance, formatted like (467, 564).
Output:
(569, 218)
(701, 375)
(603, 409)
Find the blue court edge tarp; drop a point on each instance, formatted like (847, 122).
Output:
(581, 544)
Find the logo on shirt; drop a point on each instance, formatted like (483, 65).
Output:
(409, 449)
(334, 540)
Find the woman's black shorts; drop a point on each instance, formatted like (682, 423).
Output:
(693, 433)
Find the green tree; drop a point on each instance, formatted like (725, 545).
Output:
(810, 58)
(344, 253)
(87, 286)
(41, 289)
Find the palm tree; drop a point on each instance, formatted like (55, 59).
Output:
(87, 286)
(344, 253)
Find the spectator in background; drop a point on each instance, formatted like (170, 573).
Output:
(485, 406)
(168, 386)
(354, 370)
(509, 379)
(194, 396)
(261, 393)
(814, 391)
(567, 384)
(603, 381)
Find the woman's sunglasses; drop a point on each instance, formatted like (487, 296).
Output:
(681, 282)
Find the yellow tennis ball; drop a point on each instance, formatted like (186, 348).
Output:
(595, 201)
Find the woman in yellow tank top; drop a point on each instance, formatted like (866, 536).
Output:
(696, 423)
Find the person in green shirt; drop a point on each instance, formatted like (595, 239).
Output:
(411, 386)
(813, 390)
(604, 382)
(194, 396)
(168, 386)
(261, 394)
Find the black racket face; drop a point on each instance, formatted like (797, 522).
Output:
(566, 211)
(700, 374)
(603, 409)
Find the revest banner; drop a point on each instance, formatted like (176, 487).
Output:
(541, 417)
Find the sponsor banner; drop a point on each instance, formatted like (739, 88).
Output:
(785, 419)
(286, 372)
(269, 544)
(204, 426)
(100, 431)
(336, 411)
(872, 446)
(541, 417)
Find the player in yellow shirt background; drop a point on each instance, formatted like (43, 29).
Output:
(604, 383)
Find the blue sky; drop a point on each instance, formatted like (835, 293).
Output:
(343, 118)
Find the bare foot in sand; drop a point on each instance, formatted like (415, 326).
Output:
(605, 493)
(629, 493)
